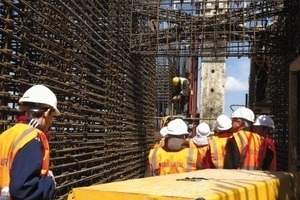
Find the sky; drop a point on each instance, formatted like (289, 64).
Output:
(237, 83)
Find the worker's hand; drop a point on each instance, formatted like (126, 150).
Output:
(176, 98)
(50, 173)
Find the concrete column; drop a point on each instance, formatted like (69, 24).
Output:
(212, 88)
(212, 99)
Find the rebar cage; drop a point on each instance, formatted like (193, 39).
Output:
(110, 64)
(80, 50)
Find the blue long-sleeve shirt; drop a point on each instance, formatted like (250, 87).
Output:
(25, 180)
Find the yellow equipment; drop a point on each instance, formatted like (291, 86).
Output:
(209, 184)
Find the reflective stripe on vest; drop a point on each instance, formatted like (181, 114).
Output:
(217, 150)
(162, 162)
(159, 143)
(252, 150)
(154, 167)
(191, 143)
(18, 140)
(242, 144)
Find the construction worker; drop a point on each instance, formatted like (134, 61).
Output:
(244, 150)
(24, 148)
(262, 126)
(200, 142)
(216, 147)
(181, 93)
(174, 156)
(163, 128)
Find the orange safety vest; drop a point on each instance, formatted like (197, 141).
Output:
(11, 141)
(163, 162)
(217, 151)
(252, 148)
(270, 144)
(201, 151)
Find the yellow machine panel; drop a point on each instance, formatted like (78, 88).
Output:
(209, 184)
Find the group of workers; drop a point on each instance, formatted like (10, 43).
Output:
(236, 142)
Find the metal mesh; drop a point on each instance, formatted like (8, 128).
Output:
(231, 27)
(79, 49)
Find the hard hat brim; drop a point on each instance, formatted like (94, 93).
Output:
(56, 112)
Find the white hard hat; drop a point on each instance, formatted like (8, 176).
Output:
(163, 131)
(203, 129)
(177, 127)
(40, 94)
(264, 120)
(223, 123)
(243, 113)
(202, 132)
